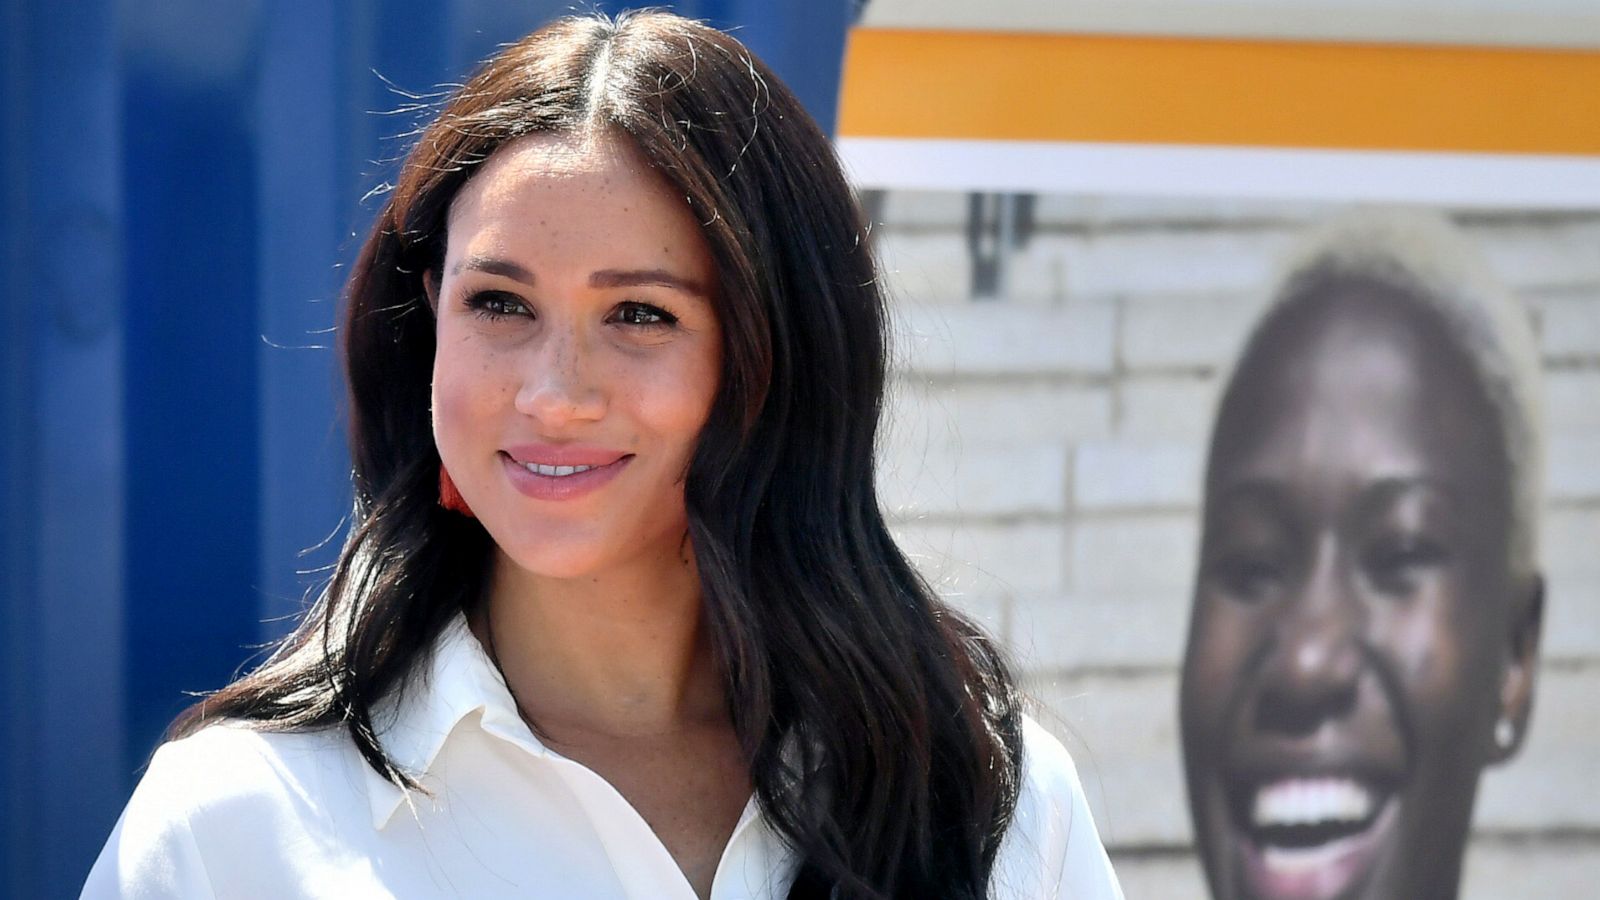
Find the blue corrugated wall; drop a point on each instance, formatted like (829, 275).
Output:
(182, 187)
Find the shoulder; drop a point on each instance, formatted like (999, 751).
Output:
(1052, 848)
(223, 795)
(1047, 767)
(231, 763)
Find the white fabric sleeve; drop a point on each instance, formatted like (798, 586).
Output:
(1085, 867)
(1082, 867)
(152, 852)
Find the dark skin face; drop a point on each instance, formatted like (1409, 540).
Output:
(1359, 626)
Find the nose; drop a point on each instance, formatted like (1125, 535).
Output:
(560, 381)
(1314, 663)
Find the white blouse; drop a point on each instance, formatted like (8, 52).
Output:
(231, 812)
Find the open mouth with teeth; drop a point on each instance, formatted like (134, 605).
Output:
(567, 479)
(556, 471)
(1310, 837)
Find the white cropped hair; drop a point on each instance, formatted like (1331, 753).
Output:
(1426, 259)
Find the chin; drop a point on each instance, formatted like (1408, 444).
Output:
(563, 560)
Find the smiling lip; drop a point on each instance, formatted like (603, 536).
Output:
(1311, 837)
(561, 471)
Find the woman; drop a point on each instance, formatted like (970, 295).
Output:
(620, 618)
(1366, 616)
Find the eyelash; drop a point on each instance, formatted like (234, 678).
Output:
(492, 305)
(658, 317)
(1395, 566)
(1249, 575)
(495, 305)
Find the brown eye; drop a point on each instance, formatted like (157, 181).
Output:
(644, 315)
(1250, 577)
(1396, 565)
(495, 304)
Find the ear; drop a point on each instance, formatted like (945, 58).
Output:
(1522, 664)
(430, 286)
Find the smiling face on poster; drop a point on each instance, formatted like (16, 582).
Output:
(1366, 611)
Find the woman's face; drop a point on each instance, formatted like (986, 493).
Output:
(1351, 637)
(578, 354)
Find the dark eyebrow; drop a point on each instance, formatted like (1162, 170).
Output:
(610, 278)
(605, 278)
(1274, 497)
(494, 266)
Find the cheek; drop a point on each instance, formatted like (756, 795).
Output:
(1211, 667)
(465, 390)
(1444, 658)
(675, 400)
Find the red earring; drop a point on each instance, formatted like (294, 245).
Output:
(449, 497)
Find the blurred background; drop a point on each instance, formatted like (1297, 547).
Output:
(1079, 206)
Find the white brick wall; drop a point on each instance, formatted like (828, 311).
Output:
(1140, 553)
(1143, 261)
(1094, 630)
(1538, 255)
(927, 268)
(1574, 467)
(1160, 877)
(1571, 619)
(1571, 542)
(1042, 463)
(1570, 548)
(1549, 869)
(978, 480)
(1131, 474)
(924, 413)
(1145, 212)
(944, 211)
(1186, 331)
(1572, 401)
(1006, 339)
(987, 559)
(1167, 406)
(1570, 323)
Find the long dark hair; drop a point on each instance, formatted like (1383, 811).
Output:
(882, 729)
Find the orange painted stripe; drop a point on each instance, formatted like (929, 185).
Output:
(1060, 87)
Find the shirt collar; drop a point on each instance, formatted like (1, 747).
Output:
(457, 680)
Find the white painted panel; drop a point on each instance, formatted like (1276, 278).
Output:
(1551, 23)
(1520, 181)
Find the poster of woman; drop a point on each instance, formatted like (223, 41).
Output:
(1250, 388)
